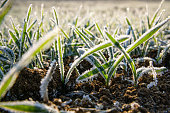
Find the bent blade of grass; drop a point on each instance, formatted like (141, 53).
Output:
(99, 66)
(11, 76)
(27, 106)
(93, 71)
(132, 64)
(60, 57)
(89, 52)
(147, 35)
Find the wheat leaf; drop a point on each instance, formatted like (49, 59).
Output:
(60, 58)
(27, 106)
(117, 45)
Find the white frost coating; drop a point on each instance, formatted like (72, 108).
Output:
(138, 60)
(153, 72)
(151, 84)
(66, 102)
(81, 51)
(99, 106)
(86, 97)
(123, 65)
(45, 81)
(144, 70)
(117, 104)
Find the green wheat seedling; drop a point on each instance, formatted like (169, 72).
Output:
(147, 35)
(11, 76)
(89, 52)
(128, 58)
(27, 106)
(23, 39)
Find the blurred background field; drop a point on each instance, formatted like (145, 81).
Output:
(114, 8)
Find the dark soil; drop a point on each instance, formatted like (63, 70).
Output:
(95, 96)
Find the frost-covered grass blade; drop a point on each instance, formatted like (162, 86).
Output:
(27, 106)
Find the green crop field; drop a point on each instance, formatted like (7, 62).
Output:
(101, 56)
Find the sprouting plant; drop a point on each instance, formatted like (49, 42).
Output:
(111, 71)
(89, 42)
(45, 81)
(130, 61)
(11, 76)
(9, 79)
